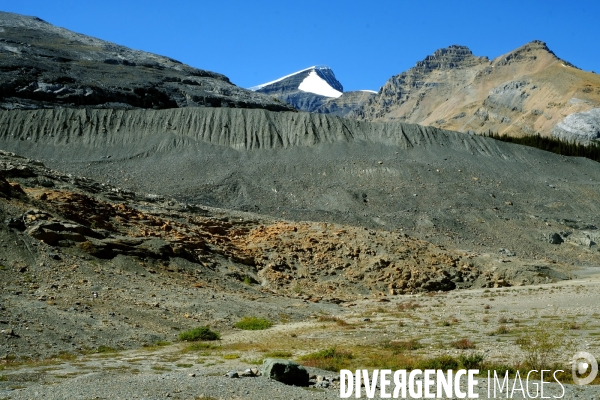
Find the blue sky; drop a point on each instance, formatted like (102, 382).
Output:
(364, 42)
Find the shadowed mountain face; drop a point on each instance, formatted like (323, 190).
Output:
(43, 66)
(526, 91)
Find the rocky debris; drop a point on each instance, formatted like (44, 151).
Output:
(581, 127)
(52, 67)
(54, 232)
(124, 222)
(233, 374)
(285, 371)
(582, 238)
(247, 373)
(507, 253)
(555, 238)
(585, 239)
(10, 333)
(321, 262)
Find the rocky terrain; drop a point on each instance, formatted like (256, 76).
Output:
(458, 190)
(74, 249)
(370, 330)
(90, 268)
(43, 66)
(135, 205)
(526, 91)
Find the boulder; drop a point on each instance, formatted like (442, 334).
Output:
(285, 371)
(555, 238)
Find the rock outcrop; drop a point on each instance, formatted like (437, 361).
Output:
(43, 66)
(583, 126)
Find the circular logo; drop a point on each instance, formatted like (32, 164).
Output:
(582, 361)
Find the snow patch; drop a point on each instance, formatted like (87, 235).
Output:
(257, 87)
(313, 83)
(368, 91)
(12, 49)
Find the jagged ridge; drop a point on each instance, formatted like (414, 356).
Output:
(526, 91)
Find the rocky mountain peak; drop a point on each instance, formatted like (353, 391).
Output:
(537, 45)
(528, 52)
(454, 56)
(306, 90)
(318, 79)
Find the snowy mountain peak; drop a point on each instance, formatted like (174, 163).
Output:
(318, 79)
(321, 82)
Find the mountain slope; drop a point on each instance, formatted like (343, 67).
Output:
(462, 191)
(43, 66)
(526, 91)
(346, 104)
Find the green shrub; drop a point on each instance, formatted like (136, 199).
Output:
(201, 333)
(253, 324)
(278, 354)
(471, 361)
(399, 346)
(442, 362)
(105, 349)
(502, 330)
(542, 346)
(328, 359)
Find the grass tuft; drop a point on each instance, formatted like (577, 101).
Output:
(398, 346)
(329, 359)
(463, 344)
(253, 324)
(201, 333)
